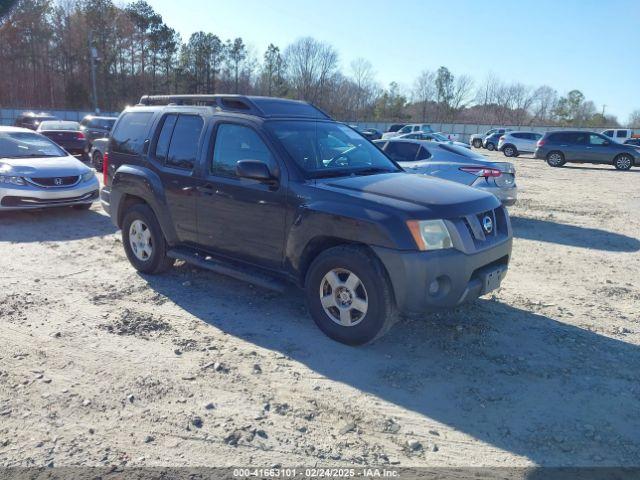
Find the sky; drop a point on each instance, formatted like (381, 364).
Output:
(590, 45)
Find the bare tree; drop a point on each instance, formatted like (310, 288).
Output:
(634, 119)
(544, 102)
(364, 83)
(310, 65)
(424, 91)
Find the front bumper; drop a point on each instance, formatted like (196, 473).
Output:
(26, 197)
(459, 277)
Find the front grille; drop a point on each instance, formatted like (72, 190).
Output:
(481, 230)
(55, 181)
(14, 201)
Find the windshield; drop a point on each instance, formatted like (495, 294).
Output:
(329, 149)
(439, 137)
(27, 144)
(58, 125)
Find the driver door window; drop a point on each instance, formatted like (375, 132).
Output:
(234, 143)
(597, 140)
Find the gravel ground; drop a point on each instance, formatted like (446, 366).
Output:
(102, 366)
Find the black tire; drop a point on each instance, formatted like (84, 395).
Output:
(490, 146)
(157, 261)
(96, 160)
(82, 206)
(555, 159)
(623, 162)
(381, 311)
(510, 150)
(477, 143)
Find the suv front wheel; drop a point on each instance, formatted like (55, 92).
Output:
(143, 240)
(623, 162)
(349, 296)
(555, 159)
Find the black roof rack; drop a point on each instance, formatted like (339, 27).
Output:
(252, 105)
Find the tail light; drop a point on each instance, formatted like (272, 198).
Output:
(482, 171)
(541, 142)
(80, 136)
(105, 167)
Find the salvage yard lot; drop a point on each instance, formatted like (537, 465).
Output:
(100, 365)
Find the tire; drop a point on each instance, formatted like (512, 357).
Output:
(623, 162)
(83, 206)
(555, 159)
(477, 143)
(510, 151)
(96, 160)
(491, 147)
(153, 258)
(372, 287)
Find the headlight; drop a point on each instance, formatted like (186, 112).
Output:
(11, 180)
(88, 176)
(430, 234)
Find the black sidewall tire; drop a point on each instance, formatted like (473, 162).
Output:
(617, 165)
(477, 143)
(96, 161)
(562, 162)
(158, 261)
(490, 147)
(514, 152)
(381, 310)
(82, 206)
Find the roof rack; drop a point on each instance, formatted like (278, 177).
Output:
(252, 105)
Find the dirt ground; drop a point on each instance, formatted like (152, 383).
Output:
(102, 366)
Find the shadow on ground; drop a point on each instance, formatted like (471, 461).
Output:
(54, 224)
(572, 235)
(523, 382)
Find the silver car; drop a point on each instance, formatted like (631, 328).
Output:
(513, 144)
(36, 173)
(433, 137)
(457, 164)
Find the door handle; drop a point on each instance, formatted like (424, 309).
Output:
(206, 189)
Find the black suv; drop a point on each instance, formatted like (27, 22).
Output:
(266, 190)
(563, 146)
(95, 127)
(32, 120)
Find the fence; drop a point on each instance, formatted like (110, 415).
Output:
(463, 130)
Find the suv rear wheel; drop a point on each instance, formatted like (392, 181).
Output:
(143, 240)
(555, 159)
(510, 151)
(349, 296)
(490, 146)
(623, 162)
(477, 143)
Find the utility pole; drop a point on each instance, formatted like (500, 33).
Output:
(93, 54)
(603, 107)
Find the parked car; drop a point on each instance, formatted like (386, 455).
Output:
(412, 127)
(620, 135)
(450, 162)
(32, 120)
(97, 152)
(476, 140)
(36, 173)
(560, 147)
(433, 137)
(513, 144)
(66, 134)
(394, 127)
(266, 189)
(633, 141)
(491, 142)
(371, 133)
(96, 127)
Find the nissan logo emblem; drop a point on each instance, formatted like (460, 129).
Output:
(57, 181)
(487, 224)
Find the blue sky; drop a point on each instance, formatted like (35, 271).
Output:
(591, 45)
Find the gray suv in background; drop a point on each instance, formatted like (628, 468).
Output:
(560, 147)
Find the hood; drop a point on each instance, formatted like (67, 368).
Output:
(43, 166)
(422, 196)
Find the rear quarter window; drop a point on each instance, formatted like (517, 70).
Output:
(130, 133)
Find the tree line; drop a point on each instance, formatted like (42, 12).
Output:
(46, 48)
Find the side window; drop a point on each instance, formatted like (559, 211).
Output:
(402, 151)
(621, 133)
(164, 139)
(183, 148)
(519, 135)
(234, 143)
(423, 154)
(596, 139)
(579, 138)
(405, 129)
(131, 133)
(416, 128)
(608, 133)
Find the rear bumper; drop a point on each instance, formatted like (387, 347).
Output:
(25, 198)
(507, 195)
(458, 277)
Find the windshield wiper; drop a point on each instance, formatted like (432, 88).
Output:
(330, 173)
(373, 170)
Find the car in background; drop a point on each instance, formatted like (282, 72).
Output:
(96, 127)
(97, 152)
(32, 120)
(491, 141)
(412, 127)
(567, 146)
(433, 137)
(394, 127)
(450, 162)
(635, 142)
(476, 140)
(36, 173)
(619, 135)
(67, 134)
(513, 144)
(371, 133)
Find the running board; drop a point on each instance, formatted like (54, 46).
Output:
(228, 269)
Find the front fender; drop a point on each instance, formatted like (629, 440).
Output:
(143, 183)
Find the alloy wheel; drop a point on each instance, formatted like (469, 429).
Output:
(140, 240)
(343, 297)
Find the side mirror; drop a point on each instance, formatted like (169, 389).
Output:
(254, 169)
